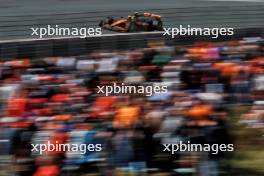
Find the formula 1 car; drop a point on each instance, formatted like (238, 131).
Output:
(134, 23)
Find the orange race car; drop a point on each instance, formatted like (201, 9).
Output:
(134, 23)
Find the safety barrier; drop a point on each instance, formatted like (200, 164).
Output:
(76, 46)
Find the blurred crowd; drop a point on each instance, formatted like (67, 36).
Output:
(55, 99)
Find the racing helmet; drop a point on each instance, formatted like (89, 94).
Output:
(136, 14)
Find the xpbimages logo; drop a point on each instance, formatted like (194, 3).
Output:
(130, 89)
(189, 147)
(58, 147)
(196, 31)
(56, 30)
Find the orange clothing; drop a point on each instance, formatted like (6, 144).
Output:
(126, 116)
(60, 98)
(200, 112)
(63, 117)
(103, 104)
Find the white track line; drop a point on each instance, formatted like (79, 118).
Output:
(76, 37)
(237, 0)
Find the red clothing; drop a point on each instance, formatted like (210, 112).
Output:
(16, 107)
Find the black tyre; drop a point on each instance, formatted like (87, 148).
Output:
(160, 26)
(101, 23)
(110, 20)
(132, 27)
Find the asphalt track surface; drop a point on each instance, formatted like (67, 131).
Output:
(17, 17)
